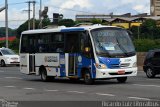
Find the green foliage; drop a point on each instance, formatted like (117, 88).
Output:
(24, 26)
(148, 30)
(149, 36)
(149, 24)
(14, 45)
(134, 30)
(11, 32)
(96, 21)
(143, 45)
(2, 44)
(66, 22)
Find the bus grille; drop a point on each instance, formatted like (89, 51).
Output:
(123, 65)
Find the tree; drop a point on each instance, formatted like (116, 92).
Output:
(11, 32)
(149, 29)
(66, 22)
(14, 45)
(135, 31)
(24, 26)
(96, 21)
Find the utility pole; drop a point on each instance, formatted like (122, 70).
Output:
(6, 21)
(34, 2)
(40, 14)
(29, 8)
(29, 16)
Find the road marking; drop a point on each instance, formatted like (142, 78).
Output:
(19, 78)
(111, 95)
(147, 85)
(51, 90)
(11, 77)
(76, 92)
(10, 86)
(29, 88)
(139, 98)
(1, 71)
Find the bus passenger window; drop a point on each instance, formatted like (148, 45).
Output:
(60, 48)
(40, 45)
(72, 42)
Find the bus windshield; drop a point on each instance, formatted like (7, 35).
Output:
(112, 42)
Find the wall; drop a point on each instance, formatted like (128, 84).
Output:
(140, 60)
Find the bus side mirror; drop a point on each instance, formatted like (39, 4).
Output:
(87, 49)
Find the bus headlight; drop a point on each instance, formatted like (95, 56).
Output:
(101, 66)
(134, 64)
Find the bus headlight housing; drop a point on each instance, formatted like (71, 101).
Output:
(101, 66)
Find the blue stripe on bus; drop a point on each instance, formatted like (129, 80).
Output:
(62, 68)
(62, 72)
(86, 63)
(72, 29)
(109, 61)
(93, 70)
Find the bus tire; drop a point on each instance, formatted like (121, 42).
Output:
(43, 74)
(3, 64)
(122, 79)
(88, 79)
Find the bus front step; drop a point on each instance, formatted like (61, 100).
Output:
(32, 72)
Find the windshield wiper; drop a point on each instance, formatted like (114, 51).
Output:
(104, 54)
(122, 48)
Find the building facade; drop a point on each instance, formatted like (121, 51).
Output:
(155, 7)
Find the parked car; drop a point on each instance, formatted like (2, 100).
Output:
(8, 57)
(152, 63)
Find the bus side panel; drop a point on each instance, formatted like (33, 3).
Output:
(24, 63)
(93, 69)
(50, 62)
(84, 62)
(62, 65)
(66, 63)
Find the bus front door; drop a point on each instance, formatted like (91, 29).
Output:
(31, 63)
(24, 63)
(72, 65)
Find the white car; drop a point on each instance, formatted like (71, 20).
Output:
(8, 57)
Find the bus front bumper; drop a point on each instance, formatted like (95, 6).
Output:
(114, 73)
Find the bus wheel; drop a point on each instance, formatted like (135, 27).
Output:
(88, 79)
(121, 79)
(3, 63)
(43, 74)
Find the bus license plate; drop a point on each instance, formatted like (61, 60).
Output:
(121, 72)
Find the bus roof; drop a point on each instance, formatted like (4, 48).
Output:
(65, 29)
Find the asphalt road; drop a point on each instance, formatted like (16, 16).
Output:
(15, 86)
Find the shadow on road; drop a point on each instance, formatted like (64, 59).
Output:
(79, 82)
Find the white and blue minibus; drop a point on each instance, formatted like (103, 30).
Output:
(88, 53)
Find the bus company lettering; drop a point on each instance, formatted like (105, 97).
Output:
(51, 59)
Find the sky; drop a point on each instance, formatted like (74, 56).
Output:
(69, 8)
